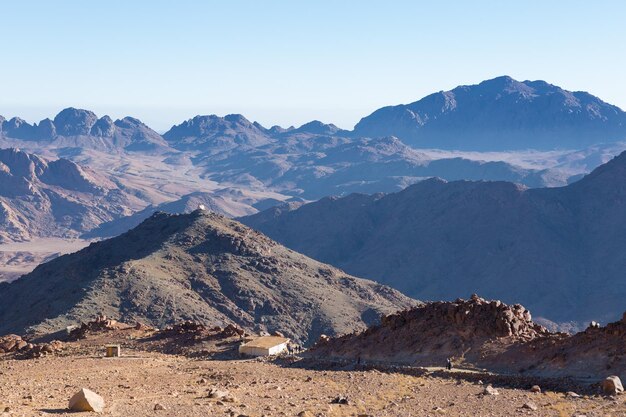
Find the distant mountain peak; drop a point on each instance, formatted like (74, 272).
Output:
(212, 131)
(319, 128)
(500, 114)
(74, 122)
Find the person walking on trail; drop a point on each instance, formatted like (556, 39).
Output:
(448, 364)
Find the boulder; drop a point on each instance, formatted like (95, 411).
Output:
(86, 400)
(217, 394)
(535, 388)
(340, 400)
(489, 390)
(530, 406)
(612, 385)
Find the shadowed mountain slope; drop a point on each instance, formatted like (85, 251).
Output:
(198, 266)
(557, 250)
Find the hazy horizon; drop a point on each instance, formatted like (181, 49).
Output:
(287, 63)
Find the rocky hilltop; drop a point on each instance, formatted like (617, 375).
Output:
(500, 114)
(429, 334)
(556, 250)
(478, 333)
(201, 267)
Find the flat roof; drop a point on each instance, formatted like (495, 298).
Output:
(266, 342)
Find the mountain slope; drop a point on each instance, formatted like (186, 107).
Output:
(41, 198)
(559, 250)
(197, 266)
(500, 114)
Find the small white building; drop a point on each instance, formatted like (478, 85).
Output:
(264, 346)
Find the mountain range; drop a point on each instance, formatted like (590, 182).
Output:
(199, 266)
(500, 114)
(82, 128)
(557, 250)
(79, 174)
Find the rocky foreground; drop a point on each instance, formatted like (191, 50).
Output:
(483, 334)
(192, 370)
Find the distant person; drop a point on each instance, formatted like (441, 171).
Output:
(449, 364)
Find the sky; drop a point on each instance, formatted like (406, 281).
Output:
(289, 62)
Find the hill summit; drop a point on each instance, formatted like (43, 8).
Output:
(199, 266)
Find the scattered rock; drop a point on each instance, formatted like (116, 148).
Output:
(489, 390)
(340, 400)
(217, 394)
(98, 325)
(612, 385)
(572, 394)
(530, 406)
(86, 400)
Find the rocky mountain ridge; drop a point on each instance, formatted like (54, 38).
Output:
(82, 128)
(500, 114)
(201, 267)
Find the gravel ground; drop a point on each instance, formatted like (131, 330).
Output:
(135, 384)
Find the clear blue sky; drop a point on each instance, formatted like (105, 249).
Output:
(288, 62)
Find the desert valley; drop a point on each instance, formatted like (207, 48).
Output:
(180, 235)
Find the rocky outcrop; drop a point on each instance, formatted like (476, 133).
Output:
(476, 316)
(14, 344)
(99, 324)
(462, 329)
(488, 335)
